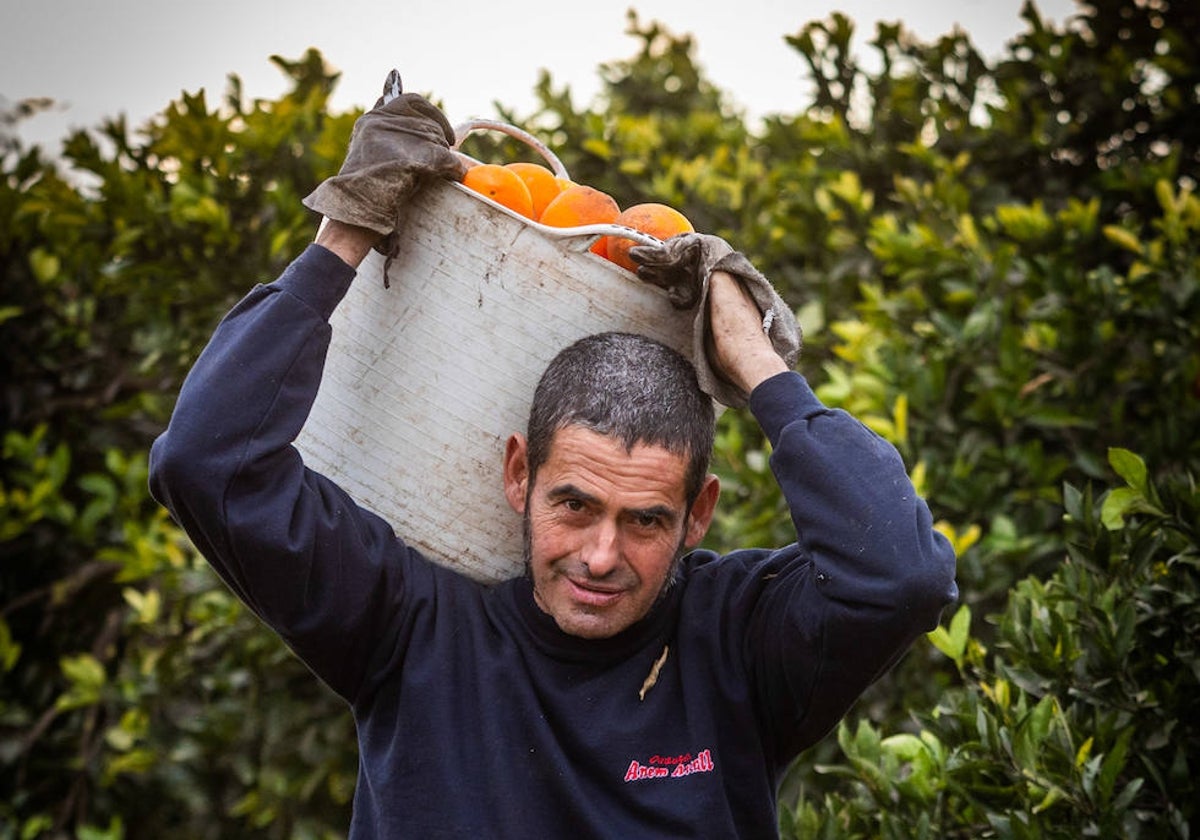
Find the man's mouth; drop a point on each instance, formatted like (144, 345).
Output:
(593, 595)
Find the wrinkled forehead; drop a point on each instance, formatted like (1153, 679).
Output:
(578, 450)
(575, 430)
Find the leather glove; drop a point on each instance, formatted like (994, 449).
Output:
(682, 266)
(394, 148)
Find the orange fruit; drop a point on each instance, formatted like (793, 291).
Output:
(500, 185)
(658, 220)
(543, 184)
(581, 205)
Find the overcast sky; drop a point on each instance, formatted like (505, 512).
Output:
(101, 58)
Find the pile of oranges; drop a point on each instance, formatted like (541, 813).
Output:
(538, 194)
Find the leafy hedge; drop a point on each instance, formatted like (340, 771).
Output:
(1078, 722)
(996, 269)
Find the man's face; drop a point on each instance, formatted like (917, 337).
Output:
(604, 527)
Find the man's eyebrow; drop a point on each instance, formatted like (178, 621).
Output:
(570, 491)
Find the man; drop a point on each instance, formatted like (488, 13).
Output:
(626, 686)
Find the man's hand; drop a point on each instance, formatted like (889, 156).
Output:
(740, 347)
(394, 149)
(681, 265)
(749, 314)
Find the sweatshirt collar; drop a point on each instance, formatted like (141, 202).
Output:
(552, 641)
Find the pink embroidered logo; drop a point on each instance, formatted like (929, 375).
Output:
(670, 766)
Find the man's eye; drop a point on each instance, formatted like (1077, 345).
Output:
(573, 505)
(646, 520)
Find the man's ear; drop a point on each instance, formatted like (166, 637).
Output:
(701, 514)
(516, 472)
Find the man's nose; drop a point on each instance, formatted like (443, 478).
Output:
(602, 549)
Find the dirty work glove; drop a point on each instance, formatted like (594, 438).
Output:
(682, 266)
(394, 148)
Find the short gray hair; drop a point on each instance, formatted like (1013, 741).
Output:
(628, 387)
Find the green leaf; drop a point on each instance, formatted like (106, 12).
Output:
(1127, 794)
(1041, 717)
(1073, 503)
(904, 746)
(87, 678)
(960, 628)
(1113, 764)
(83, 669)
(1084, 751)
(1130, 467)
(1054, 794)
(10, 650)
(1123, 238)
(1116, 505)
(35, 826)
(134, 762)
(146, 605)
(115, 831)
(45, 266)
(1026, 223)
(953, 641)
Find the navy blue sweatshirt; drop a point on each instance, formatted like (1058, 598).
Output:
(476, 715)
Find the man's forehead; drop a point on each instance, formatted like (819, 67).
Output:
(584, 453)
(576, 434)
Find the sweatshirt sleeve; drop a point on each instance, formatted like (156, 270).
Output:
(290, 543)
(868, 573)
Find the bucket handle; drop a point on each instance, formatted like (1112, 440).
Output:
(463, 129)
(578, 238)
(582, 237)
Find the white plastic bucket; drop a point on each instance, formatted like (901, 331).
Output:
(426, 379)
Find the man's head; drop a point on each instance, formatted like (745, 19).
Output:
(612, 479)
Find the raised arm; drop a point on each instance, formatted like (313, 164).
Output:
(868, 573)
(289, 542)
